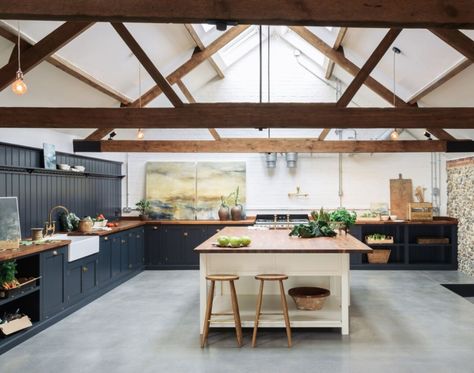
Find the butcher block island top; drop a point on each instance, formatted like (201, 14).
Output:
(279, 241)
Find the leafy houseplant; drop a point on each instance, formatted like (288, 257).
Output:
(236, 210)
(144, 208)
(342, 219)
(318, 227)
(7, 275)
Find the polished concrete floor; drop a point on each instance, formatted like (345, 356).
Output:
(400, 322)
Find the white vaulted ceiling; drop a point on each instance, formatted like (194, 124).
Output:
(101, 53)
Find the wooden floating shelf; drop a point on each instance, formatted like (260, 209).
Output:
(45, 171)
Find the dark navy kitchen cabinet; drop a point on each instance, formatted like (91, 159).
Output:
(81, 278)
(104, 265)
(152, 245)
(115, 247)
(53, 268)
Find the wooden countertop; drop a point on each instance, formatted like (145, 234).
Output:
(130, 224)
(278, 241)
(31, 249)
(444, 220)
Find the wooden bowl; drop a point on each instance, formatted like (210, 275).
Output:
(309, 298)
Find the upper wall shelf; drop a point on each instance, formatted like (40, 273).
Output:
(44, 171)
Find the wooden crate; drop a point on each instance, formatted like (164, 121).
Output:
(379, 256)
(432, 240)
(420, 211)
(370, 241)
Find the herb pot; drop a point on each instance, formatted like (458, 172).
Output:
(236, 212)
(224, 213)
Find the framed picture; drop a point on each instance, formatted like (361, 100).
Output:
(49, 155)
(10, 233)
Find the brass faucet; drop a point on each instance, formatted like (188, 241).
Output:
(50, 225)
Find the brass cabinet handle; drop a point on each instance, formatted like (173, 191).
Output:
(123, 241)
(138, 236)
(84, 269)
(129, 266)
(185, 234)
(218, 230)
(106, 238)
(55, 253)
(155, 228)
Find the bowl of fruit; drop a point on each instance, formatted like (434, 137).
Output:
(233, 241)
(100, 221)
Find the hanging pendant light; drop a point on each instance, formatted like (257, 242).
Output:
(395, 133)
(19, 86)
(140, 133)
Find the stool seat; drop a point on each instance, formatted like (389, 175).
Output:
(271, 277)
(222, 277)
(235, 306)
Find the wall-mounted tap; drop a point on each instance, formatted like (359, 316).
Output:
(50, 225)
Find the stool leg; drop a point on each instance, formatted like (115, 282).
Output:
(257, 314)
(284, 305)
(207, 319)
(235, 310)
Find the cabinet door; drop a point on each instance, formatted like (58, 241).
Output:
(153, 245)
(172, 245)
(132, 249)
(115, 254)
(52, 281)
(140, 237)
(81, 278)
(124, 244)
(104, 265)
(194, 236)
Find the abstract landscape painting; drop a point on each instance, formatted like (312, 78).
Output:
(216, 179)
(10, 233)
(171, 189)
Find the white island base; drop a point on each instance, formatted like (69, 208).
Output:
(326, 270)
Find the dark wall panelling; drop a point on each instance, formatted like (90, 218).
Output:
(37, 193)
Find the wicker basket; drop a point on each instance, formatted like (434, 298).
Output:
(309, 298)
(379, 256)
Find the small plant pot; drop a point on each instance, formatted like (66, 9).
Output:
(223, 213)
(236, 213)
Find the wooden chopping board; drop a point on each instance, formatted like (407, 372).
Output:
(401, 193)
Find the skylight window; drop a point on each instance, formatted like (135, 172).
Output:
(207, 27)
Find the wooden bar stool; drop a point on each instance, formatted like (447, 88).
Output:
(235, 307)
(284, 305)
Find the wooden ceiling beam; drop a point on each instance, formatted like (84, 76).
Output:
(98, 134)
(368, 67)
(197, 40)
(8, 33)
(256, 145)
(238, 115)
(148, 64)
(337, 46)
(457, 40)
(339, 58)
(351, 13)
(196, 59)
(441, 134)
(324, 133)
(36, 54)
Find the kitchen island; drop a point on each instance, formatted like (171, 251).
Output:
(319, 261)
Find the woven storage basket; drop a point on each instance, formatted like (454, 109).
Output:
(309, 298)
(379, 256)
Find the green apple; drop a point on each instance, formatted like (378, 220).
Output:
(235, 241)
(245, 240)
(223, 240)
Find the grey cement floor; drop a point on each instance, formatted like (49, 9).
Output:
(400, 322)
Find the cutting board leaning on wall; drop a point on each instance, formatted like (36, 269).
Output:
(401, 193)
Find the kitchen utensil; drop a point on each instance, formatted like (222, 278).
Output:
(401, 194)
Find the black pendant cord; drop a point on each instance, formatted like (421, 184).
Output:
(260, 66)
(268, 68)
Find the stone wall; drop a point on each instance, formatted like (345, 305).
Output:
(461, 206)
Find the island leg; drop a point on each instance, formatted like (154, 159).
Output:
(202, 291)
(345, 294)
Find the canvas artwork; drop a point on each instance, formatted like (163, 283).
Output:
(49, 155)
(171, 189)
(216, 179)
(10, 233)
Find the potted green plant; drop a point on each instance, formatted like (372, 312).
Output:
(342, 219)
(236, 210)
(144, 208)
(224, 211)
(8, 273)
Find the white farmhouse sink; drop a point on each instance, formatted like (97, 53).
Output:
(80, 246)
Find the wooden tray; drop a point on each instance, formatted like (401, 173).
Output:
(363, 220)
(370, 241)
(432, 240)
(24, 286)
